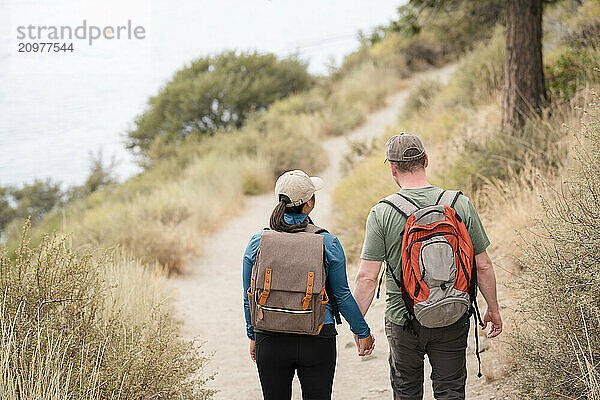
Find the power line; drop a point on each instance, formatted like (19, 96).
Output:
(325, 41)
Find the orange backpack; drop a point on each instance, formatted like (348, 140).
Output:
(438, 277)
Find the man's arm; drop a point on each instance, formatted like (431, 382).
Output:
(486, 280)
(366, 283)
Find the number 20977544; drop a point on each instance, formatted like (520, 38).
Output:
(45, 47)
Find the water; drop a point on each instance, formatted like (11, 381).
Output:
(58, 108)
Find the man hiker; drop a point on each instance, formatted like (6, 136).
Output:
(434, 247)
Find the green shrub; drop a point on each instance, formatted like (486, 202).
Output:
(33, 200)
(101, 176)
(459, 24)
(76, 326)
(426, 34)
(407, 54)
(216, 93)
(557, 348)
(572, 69)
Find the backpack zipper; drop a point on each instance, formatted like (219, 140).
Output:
(429, 237)
(419, 228)
(432, 211)
(285, 310)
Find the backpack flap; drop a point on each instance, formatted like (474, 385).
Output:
(291, 257)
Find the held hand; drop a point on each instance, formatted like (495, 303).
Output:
(252, 350)
(494, 318)
(365, 346)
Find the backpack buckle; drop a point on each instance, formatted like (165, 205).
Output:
(309, 291)
(267, 288)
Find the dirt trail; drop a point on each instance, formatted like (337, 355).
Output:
(208, 298)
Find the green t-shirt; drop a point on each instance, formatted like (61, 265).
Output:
(383, 240)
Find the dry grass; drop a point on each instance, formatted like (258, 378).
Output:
(164, 226)
(73, 325)
(558, 337)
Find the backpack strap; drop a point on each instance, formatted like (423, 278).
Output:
(312, 228)
(448, 198)
(406, 207)
(402, 204)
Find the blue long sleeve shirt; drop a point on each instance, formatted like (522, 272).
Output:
(335, 268)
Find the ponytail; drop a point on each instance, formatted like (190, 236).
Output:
(277, 222)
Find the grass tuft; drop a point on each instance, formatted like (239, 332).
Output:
(76, 325)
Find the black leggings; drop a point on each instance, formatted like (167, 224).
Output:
(279, 355)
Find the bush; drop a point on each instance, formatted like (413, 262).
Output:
(75, 326)
(572, 69)
(33, 200)
(540, 144)
(100, 176)
(558, 345)
(216, 93)
(459, 24)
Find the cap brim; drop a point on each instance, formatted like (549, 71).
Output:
(317, 182)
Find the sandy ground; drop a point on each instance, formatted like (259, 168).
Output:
(208, 297)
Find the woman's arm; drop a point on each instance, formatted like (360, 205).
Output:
(248, 263)
(338, 281)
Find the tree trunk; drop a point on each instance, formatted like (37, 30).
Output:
(523, 92)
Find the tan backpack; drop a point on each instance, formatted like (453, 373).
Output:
(287, 288)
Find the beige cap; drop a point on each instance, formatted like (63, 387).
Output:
(298, 186)
(404, 147)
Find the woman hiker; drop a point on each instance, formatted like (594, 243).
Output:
(295, 286)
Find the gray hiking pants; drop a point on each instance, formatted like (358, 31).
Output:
(445, 347)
